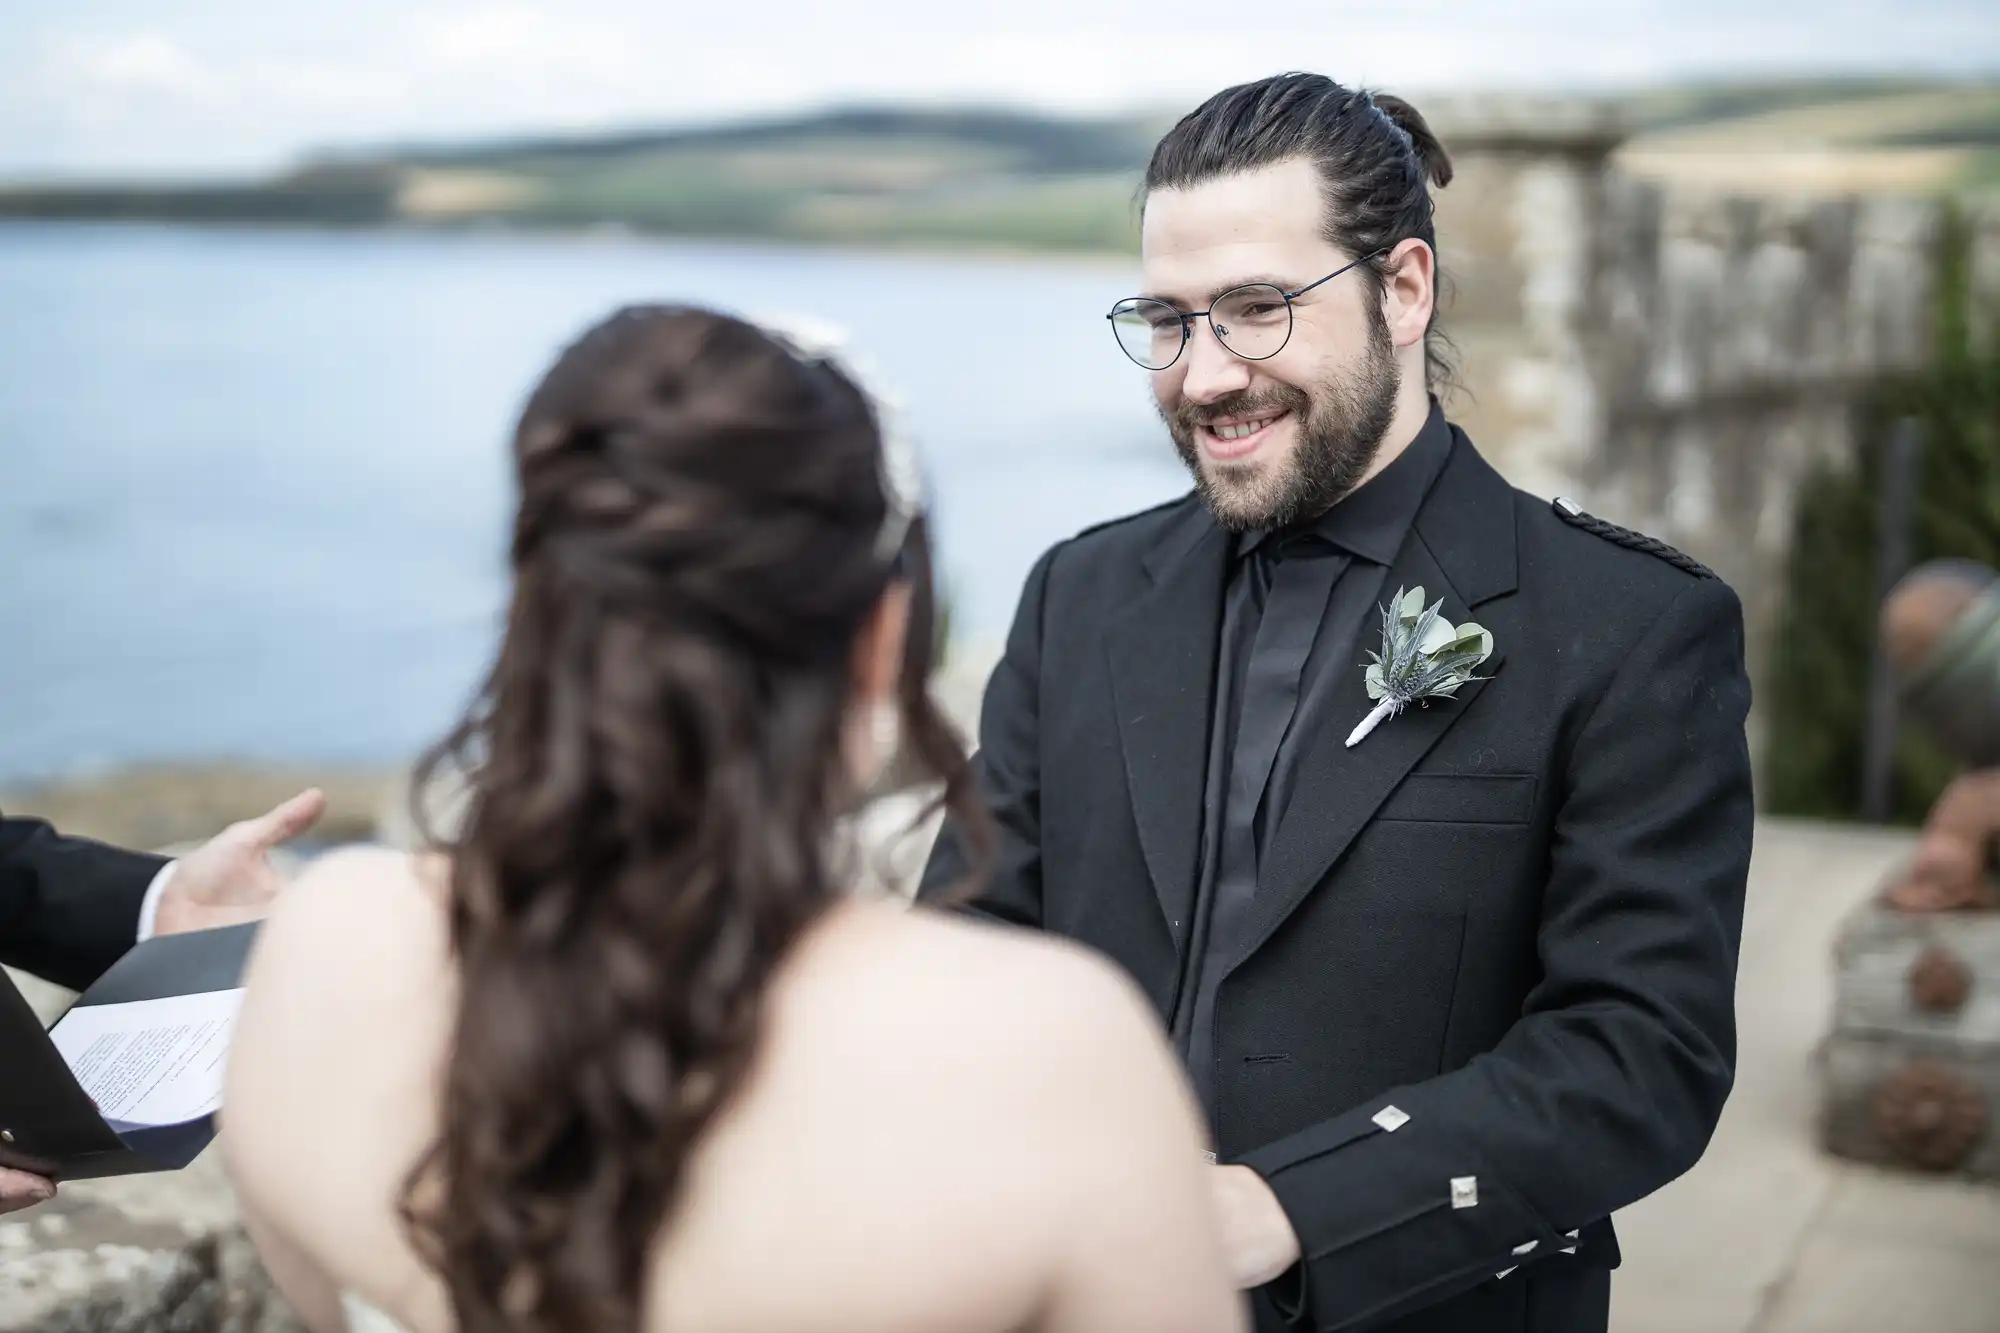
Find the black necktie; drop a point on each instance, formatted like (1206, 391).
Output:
(1296, 575)
(1292, 578)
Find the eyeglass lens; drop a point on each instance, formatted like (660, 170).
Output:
(1253, 322)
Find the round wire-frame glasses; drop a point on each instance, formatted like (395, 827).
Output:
(1253, 321)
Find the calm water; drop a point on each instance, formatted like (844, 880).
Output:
(253, 485)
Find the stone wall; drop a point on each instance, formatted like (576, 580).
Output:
(1518, 229)
(1673, 358)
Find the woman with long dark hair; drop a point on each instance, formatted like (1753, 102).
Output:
(621, 1056)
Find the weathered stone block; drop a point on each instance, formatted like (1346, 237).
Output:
(216, 1285)
(1910, 1075)
(1911, 1103)
(1880, 984)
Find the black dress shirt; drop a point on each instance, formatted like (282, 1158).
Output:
(1294, 614)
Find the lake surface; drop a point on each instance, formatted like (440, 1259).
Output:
(254, 489)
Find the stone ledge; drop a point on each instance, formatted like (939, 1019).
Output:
(215, 1285)
(104, 1250)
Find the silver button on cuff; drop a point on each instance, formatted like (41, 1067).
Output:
(1391, 1118)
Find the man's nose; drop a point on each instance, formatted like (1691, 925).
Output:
(1212, 370)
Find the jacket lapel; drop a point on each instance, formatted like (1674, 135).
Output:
(1461, 551)
(1162, 652)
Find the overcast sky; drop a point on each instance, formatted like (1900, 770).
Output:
(101, 86)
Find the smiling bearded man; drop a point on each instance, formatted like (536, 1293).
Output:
(1453, 988)
(1339, 425)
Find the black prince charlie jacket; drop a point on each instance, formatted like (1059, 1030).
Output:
(1487, 995)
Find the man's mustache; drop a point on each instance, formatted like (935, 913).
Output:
(1188, 415)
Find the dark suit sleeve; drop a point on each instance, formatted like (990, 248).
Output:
(1008, 769)
(69, 907)
(1611, 1082)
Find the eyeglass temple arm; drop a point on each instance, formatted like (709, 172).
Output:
(1382, 250)
(1203, 314)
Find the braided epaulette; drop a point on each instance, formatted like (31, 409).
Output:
(1572, 513)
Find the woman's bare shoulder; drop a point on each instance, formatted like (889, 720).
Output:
(351, 911)
(347, 1015)
(1032, 1005)
(910, 1062)
(352, 961)
(882, 949)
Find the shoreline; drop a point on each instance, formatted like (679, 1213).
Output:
(164, 804)
(604, 233)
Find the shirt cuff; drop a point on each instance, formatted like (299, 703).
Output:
(149, 907)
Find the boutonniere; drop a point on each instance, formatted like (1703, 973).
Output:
(1424, 656)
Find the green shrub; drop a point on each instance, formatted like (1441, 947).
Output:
(1817, 689)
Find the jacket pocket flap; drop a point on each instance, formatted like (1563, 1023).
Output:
(1462, 798)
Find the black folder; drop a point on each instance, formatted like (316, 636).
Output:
(48, 1125)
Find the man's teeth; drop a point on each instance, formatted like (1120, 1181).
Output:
(1240, 430)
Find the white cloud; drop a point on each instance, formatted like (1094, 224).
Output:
(514, 39)
(144, 64)
(235, 84)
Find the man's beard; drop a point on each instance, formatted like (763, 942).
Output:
(1340, 426)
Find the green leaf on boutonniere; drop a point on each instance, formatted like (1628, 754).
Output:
(1423, 656)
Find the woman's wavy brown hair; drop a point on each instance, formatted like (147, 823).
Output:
(654, 773)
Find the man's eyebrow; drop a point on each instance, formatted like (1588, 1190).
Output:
(1281, 282)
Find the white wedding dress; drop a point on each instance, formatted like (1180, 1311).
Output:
(365, 1318)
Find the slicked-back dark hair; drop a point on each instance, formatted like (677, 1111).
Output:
(1375, 156)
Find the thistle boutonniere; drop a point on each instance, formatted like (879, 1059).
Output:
(1424, 656)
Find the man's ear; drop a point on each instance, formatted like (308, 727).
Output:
(1409, 292)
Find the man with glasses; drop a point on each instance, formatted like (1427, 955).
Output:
(1453, 990)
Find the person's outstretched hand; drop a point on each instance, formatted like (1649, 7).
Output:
(20, 1190)
(230, 879)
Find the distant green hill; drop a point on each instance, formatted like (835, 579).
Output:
(965, 177)
(1902, 137)
(1679, 106)
(950, 177)
(941, 176)
(1027, 143)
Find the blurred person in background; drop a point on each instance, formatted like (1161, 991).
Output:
(1454, 982)
(71, 907)
(624, 1056)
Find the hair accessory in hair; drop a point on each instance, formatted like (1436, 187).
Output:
(902, 478)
